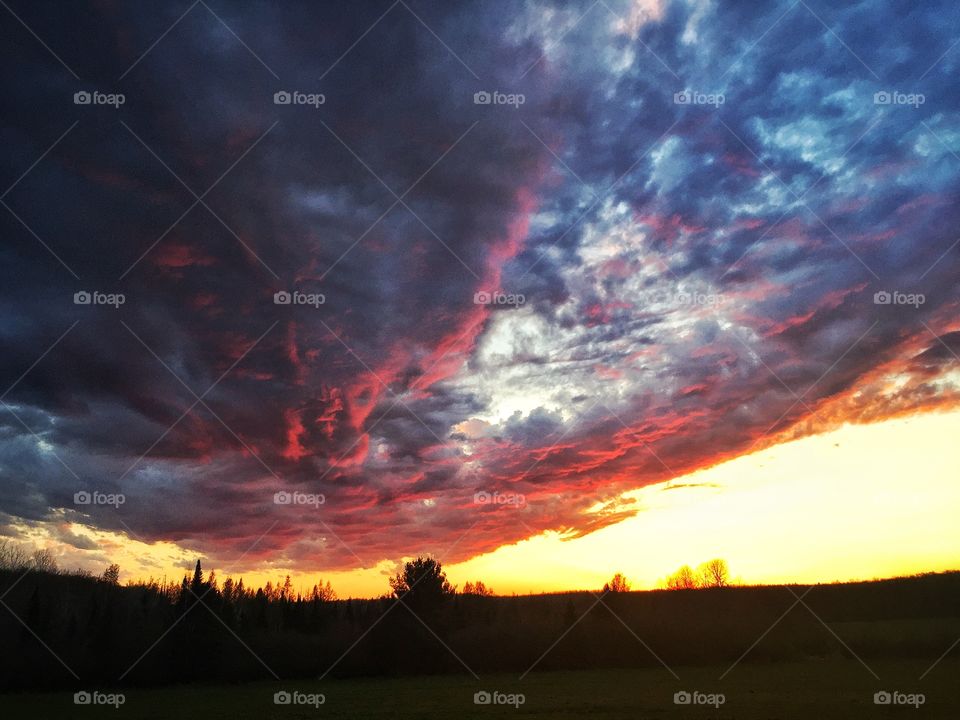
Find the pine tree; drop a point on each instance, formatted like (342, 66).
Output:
(197, 585)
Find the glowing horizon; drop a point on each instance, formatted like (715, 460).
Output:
(850, 477)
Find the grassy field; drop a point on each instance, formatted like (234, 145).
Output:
(824, 690)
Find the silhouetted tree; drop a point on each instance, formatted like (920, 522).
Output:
(683, 579)
(477, 588)
(111, 575)
(714, 573)
(44, 561)
(12, 557)
(196, 585)
(228, 590)
(323, 593)
(422, 583)
(617, 585)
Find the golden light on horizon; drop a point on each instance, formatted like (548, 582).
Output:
(860, 502)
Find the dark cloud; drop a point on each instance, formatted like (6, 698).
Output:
(693, 276)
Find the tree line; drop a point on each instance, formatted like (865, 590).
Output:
(204, 629)
(711, 574)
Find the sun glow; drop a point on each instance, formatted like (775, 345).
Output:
(860, 502)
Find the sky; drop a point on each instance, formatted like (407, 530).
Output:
(543, 262)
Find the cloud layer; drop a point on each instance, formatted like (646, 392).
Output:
(708, 227)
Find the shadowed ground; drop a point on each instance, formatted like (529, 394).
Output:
(824, 689)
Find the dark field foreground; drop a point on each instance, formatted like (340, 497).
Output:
(68, 633)
(885, 649)
(815, 689)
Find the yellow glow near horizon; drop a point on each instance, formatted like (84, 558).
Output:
(860, 502)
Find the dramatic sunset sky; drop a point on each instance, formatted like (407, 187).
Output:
(696, 217)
